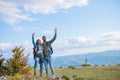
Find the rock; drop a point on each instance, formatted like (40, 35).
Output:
(82, 77)
(3, 78)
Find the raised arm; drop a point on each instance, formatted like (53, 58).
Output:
(33, 41)
(54, 38)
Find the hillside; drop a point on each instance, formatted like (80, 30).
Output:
(111, 57)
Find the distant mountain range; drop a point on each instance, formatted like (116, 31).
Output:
(110, 57)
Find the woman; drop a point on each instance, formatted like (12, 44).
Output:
(38, 54)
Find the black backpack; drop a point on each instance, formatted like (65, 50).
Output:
(50, 47)
(35, 52)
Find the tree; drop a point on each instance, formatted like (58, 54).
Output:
(86, 63)
(1, 60)
(18, 64)
(2, 67)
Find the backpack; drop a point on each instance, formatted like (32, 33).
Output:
(50, 47)
(36, 54)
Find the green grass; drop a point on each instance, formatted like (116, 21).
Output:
(92, 73)
(83, 73)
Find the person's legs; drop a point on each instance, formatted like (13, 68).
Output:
(35, 65)
(41, 66)
(50, 64)
(46, 65)
(51, 67)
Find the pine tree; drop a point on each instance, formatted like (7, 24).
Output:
(86, 63)
(2, 67)
(18, 63)
(1, 60)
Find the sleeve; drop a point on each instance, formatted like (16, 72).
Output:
(33, 41)
(53, 39)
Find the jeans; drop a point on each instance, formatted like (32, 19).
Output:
(48, 60)
(37, 59)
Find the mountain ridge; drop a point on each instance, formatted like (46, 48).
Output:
(109, 57)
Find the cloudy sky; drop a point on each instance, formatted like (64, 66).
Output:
(83, 25)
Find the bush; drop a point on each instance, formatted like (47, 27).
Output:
(103, 65)
(71, 67)
(64, 77)
(17, 76)
(60, 67)
(96, 65)
(118, 64)
(18, 63)
(2, 66)
(83, 65)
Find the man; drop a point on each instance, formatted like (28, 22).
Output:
(47, 53)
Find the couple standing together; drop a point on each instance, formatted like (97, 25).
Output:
(43, 51)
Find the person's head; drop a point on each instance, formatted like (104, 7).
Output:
(38, 41)
(44, 38)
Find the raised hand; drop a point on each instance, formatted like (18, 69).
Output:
(33, 34)
(55, 30)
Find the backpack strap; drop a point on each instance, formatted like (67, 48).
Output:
(50, 47)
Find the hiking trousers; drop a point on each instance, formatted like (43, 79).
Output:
(38, 60)
(48, 60)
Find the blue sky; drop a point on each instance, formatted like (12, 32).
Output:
(83, 25)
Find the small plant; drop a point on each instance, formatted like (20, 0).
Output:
(118, 64)
(71, 67)
(17, 76)
(60, 67)
(83, 65)
(96, 65)
(65, 77)
(103, 65)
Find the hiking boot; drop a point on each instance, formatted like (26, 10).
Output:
(53, 77)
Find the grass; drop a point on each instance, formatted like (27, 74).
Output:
(82, 73)
(92, 73)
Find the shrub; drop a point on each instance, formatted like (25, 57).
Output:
(103, 65)
(64, 77)
(18, 63)
(71, 67)
(96, 65)
(2, 66)
(118, 64)
(83, 65)
(60, 67)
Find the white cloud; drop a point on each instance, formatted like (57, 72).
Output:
(5, 46)
(10, 13)
(13, 11)
(111, 38)
(52, 6)
(83, 44)
(76, 45)
(28, 48)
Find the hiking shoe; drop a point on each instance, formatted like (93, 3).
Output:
(53, 77)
